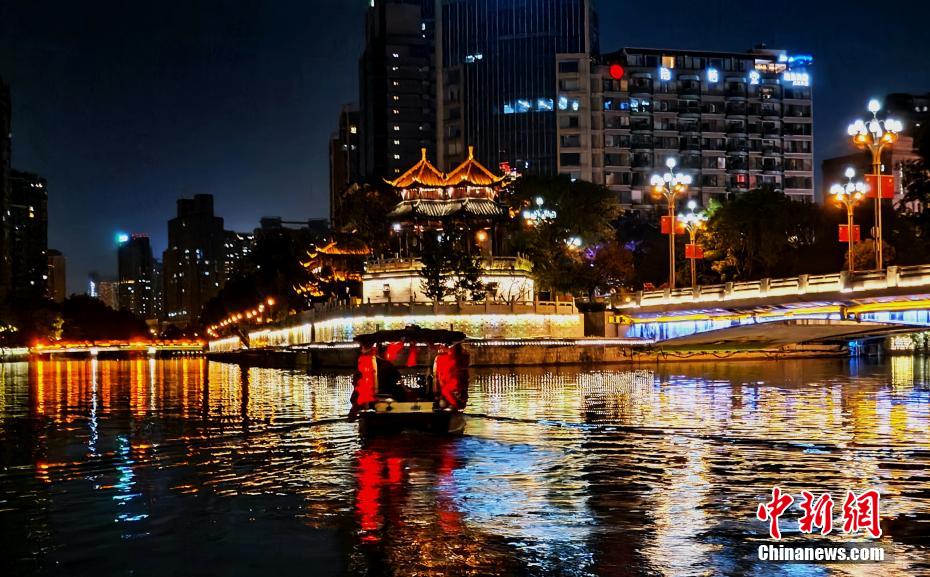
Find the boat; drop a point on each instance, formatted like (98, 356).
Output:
(410, 379)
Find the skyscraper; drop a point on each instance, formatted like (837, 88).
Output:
(344, 153)
(57, 284)
(28, 230)
(136, 276)
(497, 77)
(194, 260)
(237, 247)
(397, 86)
(5, 154)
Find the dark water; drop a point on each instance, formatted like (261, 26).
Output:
(183, 467)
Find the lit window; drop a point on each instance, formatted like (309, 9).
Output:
(396, 98)
(395, 55)
(713, 75)
(396, 157)
(396, 128)
(396, 83)
(353, 129)
(395, 111)
(754, 77)
(665, 74)
(668, 62)
(396, 143)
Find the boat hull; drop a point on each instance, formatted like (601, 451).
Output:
(389, 417)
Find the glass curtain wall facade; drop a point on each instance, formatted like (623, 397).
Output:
(497, 72)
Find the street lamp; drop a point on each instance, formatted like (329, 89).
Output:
(670, 185)
(874, 136)
(849, 195)
(694, 221)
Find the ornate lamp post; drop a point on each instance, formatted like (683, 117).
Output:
(874, 136)
(670, 185)
(849, 195)
(693, 222)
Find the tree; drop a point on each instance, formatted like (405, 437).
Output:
(448, 269)
(763, 233)
(864, 254)
(584, 215)
(438, 265)
(605, 267)
(88, 319)
(364, 212)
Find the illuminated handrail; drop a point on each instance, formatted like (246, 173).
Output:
(906, 276)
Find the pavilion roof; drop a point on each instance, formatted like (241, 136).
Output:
(472, 172)
(423, 173)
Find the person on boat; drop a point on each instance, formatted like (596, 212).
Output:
(365, 381)
(450, 371)
(375, 376)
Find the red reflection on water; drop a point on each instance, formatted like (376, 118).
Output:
(384, 487)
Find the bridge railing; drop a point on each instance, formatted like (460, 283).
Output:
(906, 276)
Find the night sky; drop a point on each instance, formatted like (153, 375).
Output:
(125, 106)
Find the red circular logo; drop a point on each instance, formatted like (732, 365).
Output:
(616, 71)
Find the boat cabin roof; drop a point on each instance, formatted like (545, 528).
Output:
(413, 334)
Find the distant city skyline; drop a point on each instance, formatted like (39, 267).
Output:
(126, 108)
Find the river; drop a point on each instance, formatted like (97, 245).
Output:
(188, 467)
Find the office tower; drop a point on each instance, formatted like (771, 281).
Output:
(28, 235)
(194, 260)
(497, 78)
(57, 279)
(237, 247)
(396, 86)
(344, 151)
(136, 276)
(734, 121)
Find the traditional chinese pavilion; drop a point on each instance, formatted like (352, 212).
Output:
(468, 197)
(468, 200)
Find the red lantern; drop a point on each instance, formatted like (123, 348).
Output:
(616, 71)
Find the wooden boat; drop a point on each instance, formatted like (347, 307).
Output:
(426, 396)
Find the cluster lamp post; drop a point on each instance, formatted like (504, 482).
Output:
(849, 195)
(671, 185)
(874, 136)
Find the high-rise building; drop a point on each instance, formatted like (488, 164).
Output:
(344, 150)
(194, 268)
(28, 214)
(397, 86)
(734, 121)
(237, 247)
(57, 283)
(5, 155)
(136, 276)
(497, 77)
(913, 110)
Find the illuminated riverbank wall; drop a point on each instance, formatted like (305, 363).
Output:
(533, 321)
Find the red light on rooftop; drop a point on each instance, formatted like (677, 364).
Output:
(616, 71)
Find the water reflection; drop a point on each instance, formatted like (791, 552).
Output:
(128, 466)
